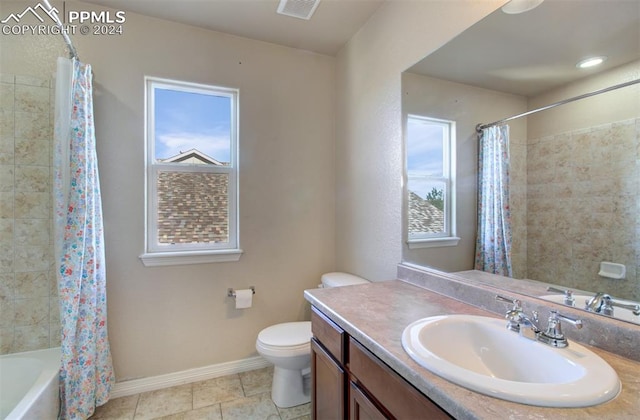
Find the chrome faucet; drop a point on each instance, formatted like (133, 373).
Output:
(527, 327)
(568, 295)
(518, 322)
(602, 303)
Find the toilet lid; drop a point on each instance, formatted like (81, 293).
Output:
(286, 334)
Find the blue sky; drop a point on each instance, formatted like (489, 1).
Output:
(185, 120)
(424, 147)
(424, 154)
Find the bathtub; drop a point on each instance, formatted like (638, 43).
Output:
(29, 385)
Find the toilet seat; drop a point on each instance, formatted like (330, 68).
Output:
(287, 338)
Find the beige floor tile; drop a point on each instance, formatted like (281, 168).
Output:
(305, 417)
(122, 408)
(164, 402)
(211, 412)
(296, 413)
(246, 396)
(257, 381)
(216, 390)
(258, 407)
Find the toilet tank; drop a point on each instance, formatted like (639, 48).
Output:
(338, 279)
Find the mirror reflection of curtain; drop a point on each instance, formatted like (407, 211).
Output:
(493, 241)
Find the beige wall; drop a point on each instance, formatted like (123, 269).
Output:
(467, 106)
(616, 105)
(166, 319)
(369, 152)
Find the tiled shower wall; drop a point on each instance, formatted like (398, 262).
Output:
(582, 206)
(29, 314)
(518, 203)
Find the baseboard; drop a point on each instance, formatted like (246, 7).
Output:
(136, 386)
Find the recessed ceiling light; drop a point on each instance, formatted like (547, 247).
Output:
(590, 62)
(520, 6)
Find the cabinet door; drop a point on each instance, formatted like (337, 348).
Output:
(398, 397)
(361, 407)
(327, 385)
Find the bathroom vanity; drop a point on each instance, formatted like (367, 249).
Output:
(351, 382)
(360, 369)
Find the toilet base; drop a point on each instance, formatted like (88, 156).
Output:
(288, 388)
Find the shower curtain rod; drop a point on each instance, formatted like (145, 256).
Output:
(72, 50)
(479, 127)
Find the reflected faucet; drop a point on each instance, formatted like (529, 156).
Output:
(602, 303)
(568, 295)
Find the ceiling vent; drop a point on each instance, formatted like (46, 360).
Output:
(301, 9)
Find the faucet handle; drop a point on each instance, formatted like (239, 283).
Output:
(609, 303)
(517, 304)
(514, 315)
(568, 295)
(553, 335)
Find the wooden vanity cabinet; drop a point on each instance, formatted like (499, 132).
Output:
(349, 382)
(328, 378)
(361, 407)
(327, 386)
(394, 396)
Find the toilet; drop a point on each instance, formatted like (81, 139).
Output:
(288, 347)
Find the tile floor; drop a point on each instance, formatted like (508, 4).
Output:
(243, 396)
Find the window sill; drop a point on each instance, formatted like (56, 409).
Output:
(433, 242)
(155, 259)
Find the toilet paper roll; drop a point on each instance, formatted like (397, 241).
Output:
(244, 298)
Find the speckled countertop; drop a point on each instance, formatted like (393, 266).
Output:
(376, 314)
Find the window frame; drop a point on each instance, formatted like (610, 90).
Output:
(157, 253)
(448, 237)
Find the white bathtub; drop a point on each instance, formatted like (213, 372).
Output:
(29, 385)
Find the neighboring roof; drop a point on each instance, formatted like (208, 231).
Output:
(194, 156)
(193, 207)
(424, 217)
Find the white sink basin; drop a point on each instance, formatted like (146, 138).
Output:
(580, 301)
(480, 354)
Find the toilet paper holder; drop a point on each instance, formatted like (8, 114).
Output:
(232, 293)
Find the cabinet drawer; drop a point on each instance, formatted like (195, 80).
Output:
(395, 394)
(332, 337)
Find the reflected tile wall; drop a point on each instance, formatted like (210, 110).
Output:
(582, 207)
(29, 315)
(518, 205)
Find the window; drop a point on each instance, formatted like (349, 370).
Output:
(191, 173)
(430, 148)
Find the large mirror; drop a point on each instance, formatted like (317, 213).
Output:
(574, 169)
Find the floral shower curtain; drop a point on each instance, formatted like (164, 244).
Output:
(86, 375)
(493, 241)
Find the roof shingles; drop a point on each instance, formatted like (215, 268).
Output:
(193, 207)
(424, 217)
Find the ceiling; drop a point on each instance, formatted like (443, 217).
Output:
(332, 25)
(523, 54)
(536, 51)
